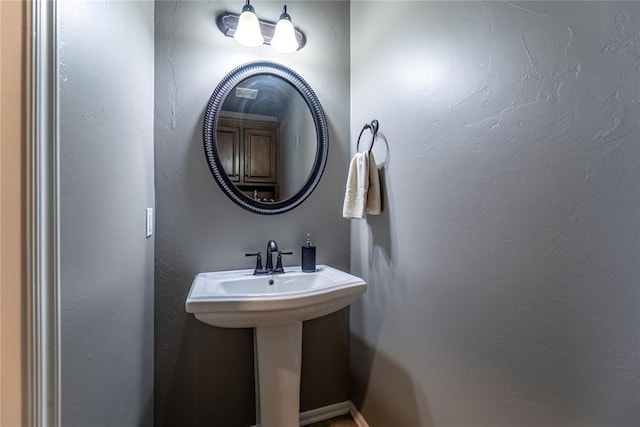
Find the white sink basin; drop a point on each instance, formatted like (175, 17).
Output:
(238, 299)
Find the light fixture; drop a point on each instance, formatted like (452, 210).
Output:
(230, 24)
(248, 30)
(284, 36)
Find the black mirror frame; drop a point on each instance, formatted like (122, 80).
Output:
(212, 115)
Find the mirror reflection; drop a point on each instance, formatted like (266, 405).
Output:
(266, 138)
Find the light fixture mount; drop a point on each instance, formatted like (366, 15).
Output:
(284, 14)
(228, 22)
(248, 8)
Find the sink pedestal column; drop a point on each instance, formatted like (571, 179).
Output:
(279, 350)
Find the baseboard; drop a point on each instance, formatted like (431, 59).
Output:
(330, 411)
(357, 416)
(324, 413)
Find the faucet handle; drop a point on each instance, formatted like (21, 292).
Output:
(258, 269)
(279, 268)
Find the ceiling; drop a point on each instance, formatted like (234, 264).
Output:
(273, 96)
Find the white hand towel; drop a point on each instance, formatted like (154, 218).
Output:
(374, 205)
(355, 196)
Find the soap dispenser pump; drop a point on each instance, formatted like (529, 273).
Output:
(308, 256)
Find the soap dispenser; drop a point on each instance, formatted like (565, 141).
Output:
(308, 256)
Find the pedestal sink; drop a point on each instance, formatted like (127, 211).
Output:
(275, 305)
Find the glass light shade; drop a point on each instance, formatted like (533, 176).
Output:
(284, 37)
(248, 31)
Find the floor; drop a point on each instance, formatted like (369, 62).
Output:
(341, 421)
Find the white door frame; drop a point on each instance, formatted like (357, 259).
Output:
(44, 236)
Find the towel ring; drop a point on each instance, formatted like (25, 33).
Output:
(373, 127)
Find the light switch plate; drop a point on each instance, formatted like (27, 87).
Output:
(149, 222)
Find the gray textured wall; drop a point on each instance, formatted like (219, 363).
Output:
(204, 375)
(106, 166)
(504, 273)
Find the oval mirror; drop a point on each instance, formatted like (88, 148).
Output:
(265, 137)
